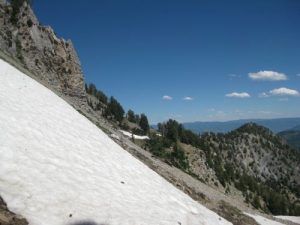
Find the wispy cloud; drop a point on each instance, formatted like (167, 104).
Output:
(167, 97)
(268, 75)
(238, 95)
(298, 75)
(188, 98)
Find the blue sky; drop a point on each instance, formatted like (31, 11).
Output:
(142, 50)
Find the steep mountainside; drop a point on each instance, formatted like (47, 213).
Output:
(37, 48)
(256, 160)
(259, 152)
(59, 170)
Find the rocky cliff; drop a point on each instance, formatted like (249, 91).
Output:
(51, 59)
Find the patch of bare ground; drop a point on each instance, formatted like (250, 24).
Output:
(233, 214)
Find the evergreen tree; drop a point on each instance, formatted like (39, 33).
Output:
(115, 110)
(101, 96)
(160, 128)
(172, 130)
(131, 116)
(92, 90)
(137, 118)
(178, 158)
(144, 123)
(256, 202)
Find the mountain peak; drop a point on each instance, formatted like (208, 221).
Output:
(254, 128)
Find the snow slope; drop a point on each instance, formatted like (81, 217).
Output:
(262, 220)
(128, 134)
(295, 219)
(57, 168)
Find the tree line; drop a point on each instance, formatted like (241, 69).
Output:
(113, 110)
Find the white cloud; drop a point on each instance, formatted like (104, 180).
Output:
(298, 75)
(267, 75)
(284, 92)
(167, 97)
(188, 98)
(238, 95)
(280, 92)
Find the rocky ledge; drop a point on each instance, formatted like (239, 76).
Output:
(51, 59)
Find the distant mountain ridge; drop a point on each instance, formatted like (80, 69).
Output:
(275, 125)
(292, 136)
(296, 128)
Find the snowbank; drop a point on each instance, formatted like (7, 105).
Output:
(128, 134)
(262, 220)
(295, 219)
(58, 168)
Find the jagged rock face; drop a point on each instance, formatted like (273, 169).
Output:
(49, 58)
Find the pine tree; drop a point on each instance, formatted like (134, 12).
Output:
(131, 116)
(101, 96)
(92, 89)
(115, 110)
(256, 202)
(172, 130)
(144, 123)
(137, 118)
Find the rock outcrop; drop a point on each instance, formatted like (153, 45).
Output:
(9, 218)
(51, 59)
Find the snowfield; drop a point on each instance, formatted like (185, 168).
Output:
(263, 221)
(57, 168)
(295, 219)
(128, 134)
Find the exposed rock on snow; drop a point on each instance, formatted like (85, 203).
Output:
(9, 218)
